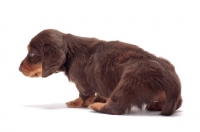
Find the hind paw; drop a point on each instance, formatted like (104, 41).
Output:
(97, 106)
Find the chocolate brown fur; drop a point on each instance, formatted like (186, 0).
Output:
(115, 74)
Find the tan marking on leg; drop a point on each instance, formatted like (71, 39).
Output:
(97, 106)
(77, 103)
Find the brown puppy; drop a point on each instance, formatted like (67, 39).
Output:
(111, 77)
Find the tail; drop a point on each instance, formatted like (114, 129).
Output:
(173, 97)
(179, 103)
(171, 105)
(172, 89)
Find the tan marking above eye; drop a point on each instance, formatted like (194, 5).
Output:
(28, 47)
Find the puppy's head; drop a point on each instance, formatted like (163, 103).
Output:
(45, 54)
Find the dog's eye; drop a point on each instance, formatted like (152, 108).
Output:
(31, 55)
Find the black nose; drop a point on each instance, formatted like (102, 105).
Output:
(20, 69)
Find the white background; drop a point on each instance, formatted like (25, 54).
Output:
(166, 28)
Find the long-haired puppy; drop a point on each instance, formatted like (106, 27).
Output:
(111, 76)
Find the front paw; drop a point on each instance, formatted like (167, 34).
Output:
(77, 103)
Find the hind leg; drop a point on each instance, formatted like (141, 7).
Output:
(121, 99)
(118, 101)
(138, 85)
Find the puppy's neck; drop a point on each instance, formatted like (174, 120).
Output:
(75, 45)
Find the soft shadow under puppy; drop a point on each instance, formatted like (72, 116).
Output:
(48, 106)
(143, 112)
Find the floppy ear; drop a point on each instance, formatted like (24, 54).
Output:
(53, 59)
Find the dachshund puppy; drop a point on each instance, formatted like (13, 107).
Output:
(111, 76)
